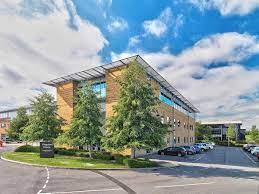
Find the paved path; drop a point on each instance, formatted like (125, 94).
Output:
(223, 170)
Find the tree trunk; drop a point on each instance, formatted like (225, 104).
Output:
(90, 151)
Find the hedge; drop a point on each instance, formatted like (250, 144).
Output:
(28, 148)
(139, 163)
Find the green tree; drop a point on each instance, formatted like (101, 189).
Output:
(18, 124)
(231, 132)
(202, 132)
(253, 135)
(134, 124)
(44, 122)
(85, 127)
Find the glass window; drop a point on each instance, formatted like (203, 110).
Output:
(100, 89)
(166, 99)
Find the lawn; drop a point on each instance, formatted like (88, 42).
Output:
(61, 161)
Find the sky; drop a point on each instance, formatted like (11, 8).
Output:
(207, 49)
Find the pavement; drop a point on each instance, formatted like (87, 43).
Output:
(222, 170)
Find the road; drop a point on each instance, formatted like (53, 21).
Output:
(223, 170)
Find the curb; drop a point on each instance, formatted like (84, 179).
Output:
(91, 169)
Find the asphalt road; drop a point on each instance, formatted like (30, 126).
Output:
(223, 170)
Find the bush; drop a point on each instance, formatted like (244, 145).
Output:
(119, 158)
(28, 148)
(138, 163)
(102, 156)
(65, 152)
(231, 143)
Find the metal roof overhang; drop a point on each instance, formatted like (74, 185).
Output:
(99, 71)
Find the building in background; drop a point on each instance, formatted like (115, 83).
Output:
(219, 129)
(5, 120)
(174, 108)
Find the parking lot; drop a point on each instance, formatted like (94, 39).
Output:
(222, 170)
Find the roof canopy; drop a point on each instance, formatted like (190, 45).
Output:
(100, 71)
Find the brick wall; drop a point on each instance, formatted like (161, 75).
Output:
(7, 123)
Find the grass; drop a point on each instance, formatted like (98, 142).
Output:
(61, 161)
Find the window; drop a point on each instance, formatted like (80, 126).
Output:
(178, 139)
(190, 139)
(99, 89)
(179, 123)
(184, 140)
(166, 99)
(3, 125)
(162, 120)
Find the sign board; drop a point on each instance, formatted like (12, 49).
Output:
(46, 149)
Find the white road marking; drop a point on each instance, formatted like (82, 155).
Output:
(45, 185)
(193, 184)
(199, 158)
(39, 191)
(247, 156)
(86, 191)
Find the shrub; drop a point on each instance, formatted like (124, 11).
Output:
(102, 156)
(28, 148)
(66, 152)
(119, 158)
(138, 163)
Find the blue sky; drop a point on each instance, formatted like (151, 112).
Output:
(207, 49)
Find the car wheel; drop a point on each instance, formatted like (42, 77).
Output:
(162, 153)
(179, 154)
(202, 149)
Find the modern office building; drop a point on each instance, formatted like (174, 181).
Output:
(5, 120)
(219, 129)
(174, 108)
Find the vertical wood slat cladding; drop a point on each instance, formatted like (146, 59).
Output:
(65, 101)
(112, 89)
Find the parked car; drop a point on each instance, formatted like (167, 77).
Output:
(247, 146)
(173, 151)
(1, 143)
(189, 149)
(202, 146)
(197, 149)
(210, 145)
(255, 150)
(251, 148)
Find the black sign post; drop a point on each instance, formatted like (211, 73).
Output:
(46, 149)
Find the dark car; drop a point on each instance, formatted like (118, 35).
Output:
(197, 149)
(173, 151)
(189, 149)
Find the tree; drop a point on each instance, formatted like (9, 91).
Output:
(202, 132)
(134, 124)
(253, 135)
(231, 133)
(85, 127)
(44, 122)
(18, 124)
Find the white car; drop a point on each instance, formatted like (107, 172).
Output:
(255, 150)
(202, 146)
(210, 146)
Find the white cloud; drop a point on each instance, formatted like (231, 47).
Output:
(117, 24)
(214, 87)
(134, 40)
(179, 21)
(158, 26)
(228, 7)
(40, 40)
